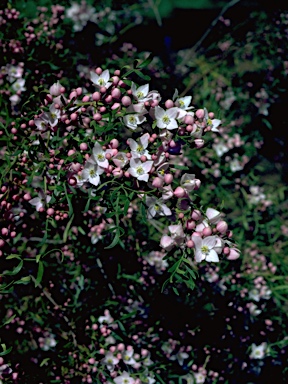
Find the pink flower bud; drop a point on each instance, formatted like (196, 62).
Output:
(83, 146)
(116, 93)
(190, 224)
(168, 178)
(73, 94)
(179, 192)
(50, 211)
(103, 89)
(196, 215)
(207, 231)
(71, 152)
(190, 244)
(199, 143)
(114, 143)
(234, 254)
(108, 99)
(222, 227)
(211, 115)
(200, 113)
(73, 116)
(96, 96)
(157, 182)
(188, 119)
(126, 101)
(169, 104)
(85, 99)
(97, 116)
(27, 197)
(116, 106)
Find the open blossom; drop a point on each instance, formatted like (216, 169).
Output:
(40, 201)
(138, 149)
(91, 173)
(258, 351)
(128, 358)
(166, 119)
(140, 170)
(133, 120)
(205, 249)
(99, 156)
(140, 93)
(101, 80)
(110, 361)
(176, 237)
(19, 85)
(125, 378)
(120, 160)
(189, 183)
(156, 207)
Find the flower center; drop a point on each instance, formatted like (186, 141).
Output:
(181, 104)
(101, 81)
(92, 173)
(166, 119)
(100, 157)
(132, 119)
(140, 170)
(205, 249)
(139, 94)
(139, 148)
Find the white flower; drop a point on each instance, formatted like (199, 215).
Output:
(18, 85)
(220, 148)
(127, 357)
(99, 156)
(258, 351)
(199, 377)
(180, 357)
(140, 170)
(254, 310)
(235, 165)
(204, 248)
(183, 103)
(120, 160)
(213, 215)
(125, 378)
(156, 207)
(40, 201)
(101, 80)
(166, 119)
(91, 173)
(189, 183)
(139, 149)
(53, 115)
(133, 120)
(141, 92)
(107, 318)
(110, 361)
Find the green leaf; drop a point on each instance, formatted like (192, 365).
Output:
(5, 351)
(114, 242)
(66, 232)
(39, 273)
(15, 270)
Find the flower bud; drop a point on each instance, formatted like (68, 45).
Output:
(179, 192)
(234, 254)
(222, 227)
(157, 182)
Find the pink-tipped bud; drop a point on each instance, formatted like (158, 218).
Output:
(85, 98)
(50, 211)
(83, 146)
(157, 182)
(114, 143)
(190, 244)
(154, 103)
(27, 197)
(200, 113)
(188, 119)
(116, 93)
(72, 181)
(4, 231)
(189, 128)
(222, 227)
(196, 215)
(79, 91)
(190, 225)
(169, 104)
(109, 99)
(168, 178)
(126, 101)
(71, 152)
(117, 172)
(199, 143)
(234, 254)
(143, 158)
(103, 89)
(73, 116)
(207, 231)
(211, 115)
(179, 192)
(98, 70)
(73, 94)
(116, 106)
(226, 251)
(108, 156)
(172, 144)
(96, 96)
(97, 116)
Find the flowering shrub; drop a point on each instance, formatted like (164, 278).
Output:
(117, 262)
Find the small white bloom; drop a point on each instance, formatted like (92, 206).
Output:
(258, 351)
(40, 201)
(140, 170)
(91, 173)
(156, 207)
(141, 92)
(120, 160)
(128, 358)
(99, 156)
(101, 80)
(138, 149)
(220, 148)
(18, 85)
(166, 119)
(204, 249)
(125, 378)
